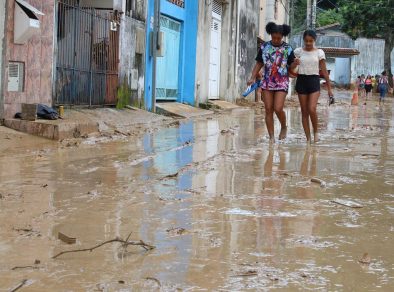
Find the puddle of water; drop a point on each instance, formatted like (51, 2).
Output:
(214, 198)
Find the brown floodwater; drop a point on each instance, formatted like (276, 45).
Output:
(225, 210)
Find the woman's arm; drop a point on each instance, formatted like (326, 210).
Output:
(255, 72)
(323, 67)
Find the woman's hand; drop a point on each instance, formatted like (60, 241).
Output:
(297, 61)
(330, 93)
(251, 81)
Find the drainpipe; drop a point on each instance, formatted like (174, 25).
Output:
(155, 47)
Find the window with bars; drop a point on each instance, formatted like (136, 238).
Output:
(180, 3)
(135, 9)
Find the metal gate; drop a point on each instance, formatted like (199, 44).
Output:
(87, 55)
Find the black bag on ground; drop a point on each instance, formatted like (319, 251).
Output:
(46, 112)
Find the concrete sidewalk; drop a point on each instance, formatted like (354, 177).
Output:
(82, 122)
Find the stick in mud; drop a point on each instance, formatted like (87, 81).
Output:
(24, 267)
(123, 242)
(319, 181)
(21, 284)
(347, 203)
(153, 279)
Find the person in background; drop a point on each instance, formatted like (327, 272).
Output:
(383, 85)
(377, 76)
(368, 87)
(373, 83)
(361, 87)
(310, 60)
(274, 57)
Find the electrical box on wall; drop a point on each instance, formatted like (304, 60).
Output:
(26, 22)
(16, 76)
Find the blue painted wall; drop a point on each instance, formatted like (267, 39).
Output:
(188, 17)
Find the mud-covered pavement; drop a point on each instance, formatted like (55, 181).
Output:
(224, 210)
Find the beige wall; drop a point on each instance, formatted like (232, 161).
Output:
(36, 54)
(272, 10)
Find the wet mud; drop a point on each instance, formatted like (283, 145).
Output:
(224, 210)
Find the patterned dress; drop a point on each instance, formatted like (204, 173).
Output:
(276, 62)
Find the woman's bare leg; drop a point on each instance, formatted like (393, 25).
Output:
(269, 112)
(279, 102)
(312, 109)
(303, 98)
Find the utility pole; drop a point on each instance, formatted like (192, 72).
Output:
(311, 14)
(291, 21)
(155, 47)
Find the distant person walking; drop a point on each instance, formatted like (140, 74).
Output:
(368, 87)
(383, 86)
(274, 57)
(310, 60)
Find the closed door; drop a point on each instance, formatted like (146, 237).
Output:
(167, 78)
(214, 59)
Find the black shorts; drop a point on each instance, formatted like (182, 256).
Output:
(368, 87)
(307, 84)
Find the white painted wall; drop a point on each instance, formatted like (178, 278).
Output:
(371, 58)
(342, 71)
(330, 63)
(2, 44)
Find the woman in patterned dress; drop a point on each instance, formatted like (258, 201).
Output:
(275, 58)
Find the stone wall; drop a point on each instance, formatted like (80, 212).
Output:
(36, 54)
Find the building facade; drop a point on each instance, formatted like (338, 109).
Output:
(27, 55)
(226, 48)
(176, 61)
(345, 57)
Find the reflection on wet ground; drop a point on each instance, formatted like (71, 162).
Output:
(225, 210)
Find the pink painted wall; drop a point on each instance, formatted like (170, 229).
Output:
(37, 54)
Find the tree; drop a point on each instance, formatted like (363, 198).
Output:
(299, 22)
(370, 18)
(330, 16)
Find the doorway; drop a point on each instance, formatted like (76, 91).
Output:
(167, 76)
(214, 54)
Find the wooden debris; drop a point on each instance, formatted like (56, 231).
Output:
(366, 259)
(249, 273)
(153, 279)
(20, 285)
(66, 239)
(347, 203)
(369, 155)
(319, 181)
(124, 243)
(176, 230)
(172, 175)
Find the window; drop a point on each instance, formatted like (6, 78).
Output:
(180, 3)
(16, 74)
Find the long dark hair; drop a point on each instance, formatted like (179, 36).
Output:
(283, 29)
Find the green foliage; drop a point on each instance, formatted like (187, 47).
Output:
(368, 18)
(299, 22)
(123, 95)
(330, 16)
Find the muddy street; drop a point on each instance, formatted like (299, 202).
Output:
(224, 210)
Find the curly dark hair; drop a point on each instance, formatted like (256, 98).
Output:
(283, 29)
